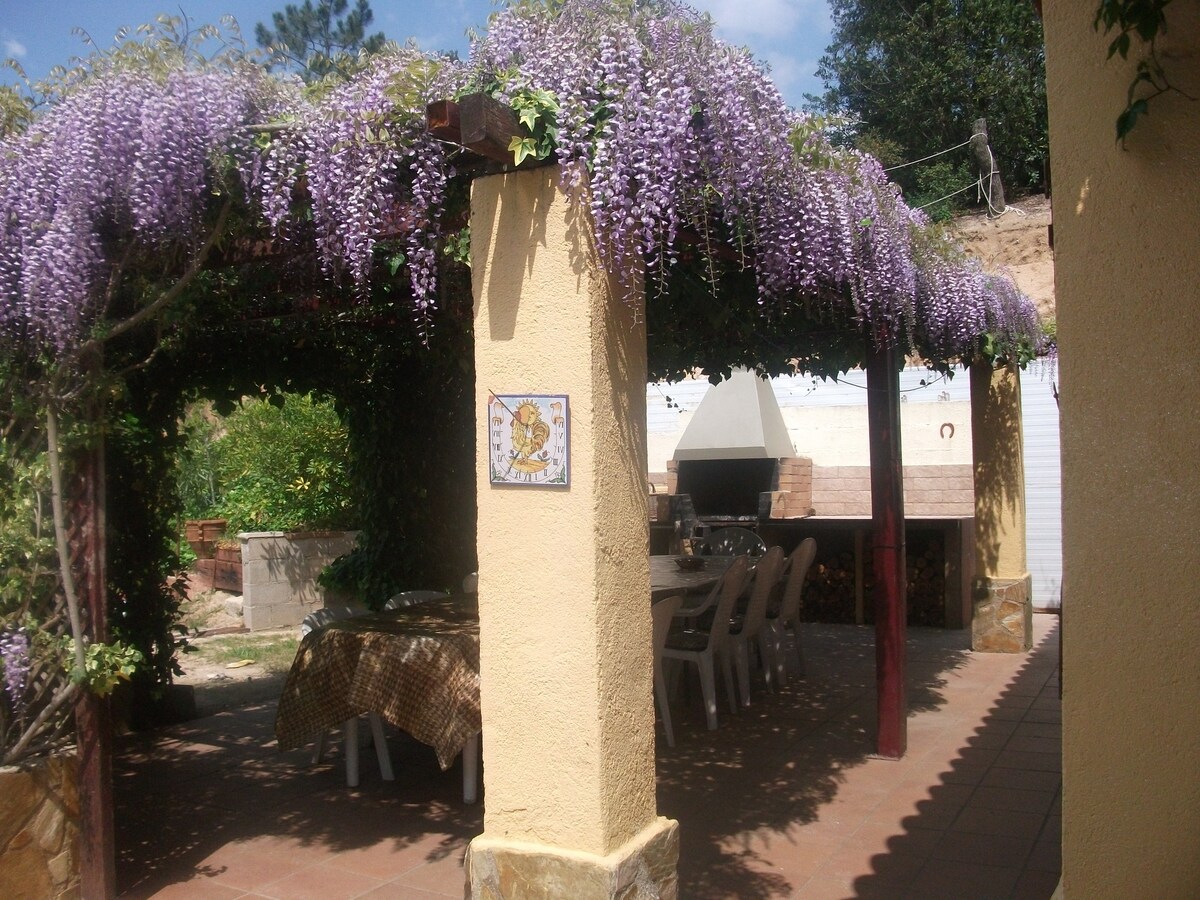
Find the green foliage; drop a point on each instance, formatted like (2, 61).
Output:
(275, 464)
(916, 75)
(15, 112)
(28, 560)
(937, 180)
(320, 40)
(105, 665)
(145, 588)
(537, 113)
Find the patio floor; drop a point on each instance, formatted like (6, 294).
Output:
(783, 800)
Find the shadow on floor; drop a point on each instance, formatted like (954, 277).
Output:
(783, 800)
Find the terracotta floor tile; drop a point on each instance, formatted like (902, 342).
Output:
(1002, 822)
(960, 881)
(392, 857)
(445, 876)
(982, 849)
(783, 800)
(825, 889)
(1023, 779)
(1046, 856)
(192, 889)
(1017, 800)
(319, 883)
(249, 871)
(1039, 730)
(1036, 762)
(1035, 885)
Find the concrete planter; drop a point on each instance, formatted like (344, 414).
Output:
(39, 831)
(279, 574)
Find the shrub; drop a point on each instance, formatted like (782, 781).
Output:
(277, 464)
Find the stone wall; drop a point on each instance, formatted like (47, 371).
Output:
(39, 829)
(279, 574)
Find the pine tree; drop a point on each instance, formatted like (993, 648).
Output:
(319, 40)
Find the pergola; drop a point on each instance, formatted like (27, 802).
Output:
(567, 703)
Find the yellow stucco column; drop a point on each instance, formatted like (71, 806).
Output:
(1127, 283)
(568, 719)
(1002, 619)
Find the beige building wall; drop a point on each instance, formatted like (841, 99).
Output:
(1127, 279)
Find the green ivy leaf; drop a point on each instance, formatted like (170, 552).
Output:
(522, 147)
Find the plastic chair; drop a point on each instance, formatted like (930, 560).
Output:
(704, 647)
(411, 598)
(753, 625)
(730, 542)
(784, 623)
(662, 612)
(315, 621)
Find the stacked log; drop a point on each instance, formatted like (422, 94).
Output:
(829, 591)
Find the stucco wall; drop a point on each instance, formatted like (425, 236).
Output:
(1127, 279)
(563, 575)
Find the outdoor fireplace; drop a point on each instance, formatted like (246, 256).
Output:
(735, 459)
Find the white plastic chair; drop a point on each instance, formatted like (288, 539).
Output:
(662, 613)
(753, 625)
(411, 598)
(705, 648)
(784, 623)
(315, 621)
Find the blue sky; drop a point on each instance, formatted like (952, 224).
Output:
(789, 35)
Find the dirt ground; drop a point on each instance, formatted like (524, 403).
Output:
(217, 686)
(1017, 242)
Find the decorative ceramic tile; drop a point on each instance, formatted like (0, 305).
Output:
(529, 439)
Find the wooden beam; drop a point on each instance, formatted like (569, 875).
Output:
(93, 715)
(487, 127)
(442, 120)
(887, 514)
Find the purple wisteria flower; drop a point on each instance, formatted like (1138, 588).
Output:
(14, 657)
(668, 135)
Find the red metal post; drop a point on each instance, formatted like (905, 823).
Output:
(887, 514)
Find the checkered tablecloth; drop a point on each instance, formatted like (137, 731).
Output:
(417, 667)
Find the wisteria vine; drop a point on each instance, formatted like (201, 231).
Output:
(672, 136)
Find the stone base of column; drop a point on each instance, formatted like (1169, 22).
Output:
(1003, 614)
(642, 869)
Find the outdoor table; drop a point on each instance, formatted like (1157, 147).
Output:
(666, 578)
(417, 667)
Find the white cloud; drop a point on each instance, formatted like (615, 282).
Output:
(14, 48)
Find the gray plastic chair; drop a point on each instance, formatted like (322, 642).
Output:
(706, 648)
(784, 623)
(753, 625)
(663, 612)
(315, 621)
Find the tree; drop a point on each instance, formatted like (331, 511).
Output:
(915, 74)
(319, 40)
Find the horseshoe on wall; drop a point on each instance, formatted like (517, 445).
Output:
(945, 425)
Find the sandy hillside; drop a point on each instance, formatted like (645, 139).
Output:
(1016, 242)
